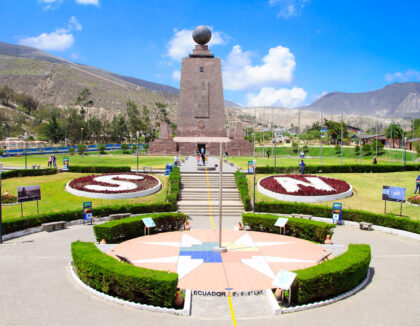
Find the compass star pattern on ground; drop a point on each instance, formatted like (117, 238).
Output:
(251, 262)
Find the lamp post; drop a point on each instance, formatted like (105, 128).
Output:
(253, 202)
(26, 150)
(1, 237)
(137, 134)
(405, 153)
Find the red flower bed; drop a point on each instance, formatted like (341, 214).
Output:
(143, 184)
(271, 184)
(414, 200)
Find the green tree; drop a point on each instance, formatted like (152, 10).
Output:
(6, 95)
(396, 131)
(366, 149)
(334, 130)
(54, 130)
(102, 149)
(81, 148)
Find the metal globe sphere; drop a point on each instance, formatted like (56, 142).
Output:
(201, 34)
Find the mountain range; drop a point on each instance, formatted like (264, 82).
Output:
(395, 100)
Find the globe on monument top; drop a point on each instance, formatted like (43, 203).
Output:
(201, 34)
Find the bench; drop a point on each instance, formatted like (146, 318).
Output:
(119, 216)
(124, 259)
(53, 226)
(35, 166)
(365, 226)
(147, 169)
(324, 257)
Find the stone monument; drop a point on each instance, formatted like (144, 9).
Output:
(165, 144)
(201, 113)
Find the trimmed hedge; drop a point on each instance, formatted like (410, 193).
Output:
(21, 223)
(389, 221)
(295, 227)
(346, 168)
(174, 183)
(27, 173)
(133, 227)
(333, 277)
(242, 184)
(98, 169)
(136, 284)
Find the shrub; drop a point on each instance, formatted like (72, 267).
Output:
(124, 147)
(294, 147)
(242, 184)
(337, 149)
(348, 214)
(27, 173)
(8, 199)
(102, 149)
(357, 150)
(295, 227)
(366, 149)
(1, 151)
(136, 284)
(98, 169)
(71, 150)
(333, 277)
(345, 168)
(174, 183)
(305, 148)
(22, 223)
(133, 227)
(81, 149)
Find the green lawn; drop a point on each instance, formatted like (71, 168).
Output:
(158, 162)
(55, 199)
(367, 191)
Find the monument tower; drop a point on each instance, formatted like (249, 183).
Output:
(201, 111)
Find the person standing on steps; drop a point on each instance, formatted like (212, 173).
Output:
(417, 184)
(203, 156)
(302, 165)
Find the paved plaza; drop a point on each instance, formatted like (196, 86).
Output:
(37, 289)
(251, 261)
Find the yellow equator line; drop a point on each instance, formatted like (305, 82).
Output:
(208, 192)
(231, 309)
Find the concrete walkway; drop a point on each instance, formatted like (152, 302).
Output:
(36, 288)
(190, 165)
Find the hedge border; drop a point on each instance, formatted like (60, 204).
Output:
(354, 215)
(332, 277)
(136, 284)
(242, 185)
(133, 227)
(295, 227)
(27, 173)
(346, 168)
(21, 223)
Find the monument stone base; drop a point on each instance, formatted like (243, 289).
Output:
(163, 147)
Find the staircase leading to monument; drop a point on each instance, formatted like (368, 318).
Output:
(196, 190)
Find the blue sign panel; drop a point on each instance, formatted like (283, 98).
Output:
(284, 279)
(393, 194)
(87, 212)
(148, 222)
(337, 211)
(250, 166)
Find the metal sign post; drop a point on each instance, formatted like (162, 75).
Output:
(255, 167)
(284, 280)
(281, 223)
(219, 247)
(148, 223)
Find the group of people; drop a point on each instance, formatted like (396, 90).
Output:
(52, 161)
(201, 156)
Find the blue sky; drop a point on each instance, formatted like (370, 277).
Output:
(274, 52)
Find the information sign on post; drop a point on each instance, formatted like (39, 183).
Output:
(337, 212)
(29, 193)
(148, 223)
(284, 280)
(396, 194)
(87, 212)
(281, 223)
(250, 166)
(66, 162)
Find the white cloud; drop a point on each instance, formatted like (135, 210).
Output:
(181, 44)
(59, 40)
(239, 73)
(88, 2)
(176, 74)
(288, 8)
(50, 4)
(268, 96)
(410, 74)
